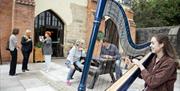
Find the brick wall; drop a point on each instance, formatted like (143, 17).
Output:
(130, 15)
(24, 19)
(14, 15)
(5, 26)
(90, 18)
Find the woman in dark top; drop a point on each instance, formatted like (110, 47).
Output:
(47, 49)
(160, 74)
(26, 49)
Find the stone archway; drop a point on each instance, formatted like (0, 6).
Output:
(49, 21)
(111, 32)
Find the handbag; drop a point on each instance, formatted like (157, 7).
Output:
(7, 46)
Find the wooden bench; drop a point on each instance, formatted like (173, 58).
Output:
(102, 66)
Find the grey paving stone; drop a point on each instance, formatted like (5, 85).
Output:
(14, 88)
(9, 83)
(54, 80)
(41, 88)
(32, 83)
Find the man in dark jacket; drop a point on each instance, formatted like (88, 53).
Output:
(109, 50)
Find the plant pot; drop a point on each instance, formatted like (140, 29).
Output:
(38, 55)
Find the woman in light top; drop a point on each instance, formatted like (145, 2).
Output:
(13, 46)
(74, 58)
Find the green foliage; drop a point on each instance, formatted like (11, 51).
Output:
(100, 35)
(155, 13)
(39, 44)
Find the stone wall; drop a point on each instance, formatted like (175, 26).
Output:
(145, 34)
(77, 29)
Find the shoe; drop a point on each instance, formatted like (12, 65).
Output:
(13, 74)
(23, 70)
(68, 83)
(72, 78)
(27, 69)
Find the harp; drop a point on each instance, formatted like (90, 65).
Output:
(116, 13)
(127, 79)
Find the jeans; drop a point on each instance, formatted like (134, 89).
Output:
(47, 61)
(72, 68)
(118, 70)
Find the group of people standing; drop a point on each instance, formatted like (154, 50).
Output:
(26, 49)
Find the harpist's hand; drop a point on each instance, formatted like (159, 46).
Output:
(138, 63)
(127, 61)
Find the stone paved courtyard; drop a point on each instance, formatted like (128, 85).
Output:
(54, 80)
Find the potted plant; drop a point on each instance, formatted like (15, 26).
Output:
(38, 55)
(100, 36)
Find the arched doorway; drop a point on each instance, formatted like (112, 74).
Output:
(111, 32)
(49, 21)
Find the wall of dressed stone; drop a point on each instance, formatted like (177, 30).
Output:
(145, 34)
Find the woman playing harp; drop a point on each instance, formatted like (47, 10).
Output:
(160, 74)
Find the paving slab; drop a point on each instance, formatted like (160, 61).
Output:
(14, 88)
(31, 83)
(41, 88)
(55, 80)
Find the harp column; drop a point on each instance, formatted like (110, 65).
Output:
(96, 24)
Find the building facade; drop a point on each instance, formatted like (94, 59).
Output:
(68, 20)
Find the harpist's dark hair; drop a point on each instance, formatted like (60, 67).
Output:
(168, 49)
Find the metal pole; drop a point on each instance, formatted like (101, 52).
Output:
(96, 24)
